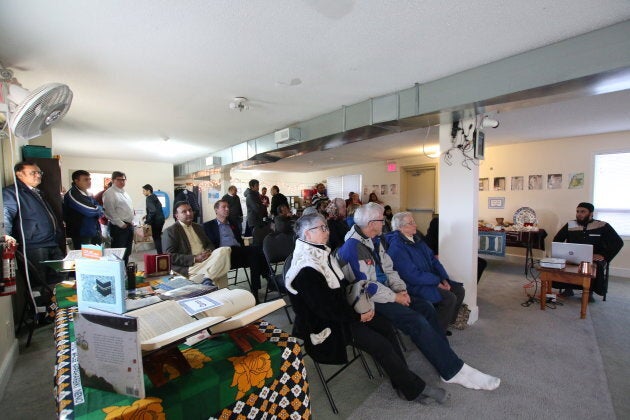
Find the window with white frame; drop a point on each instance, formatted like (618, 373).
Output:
(341, 186)
(610, 186)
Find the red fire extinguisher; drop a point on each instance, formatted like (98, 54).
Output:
(8, 284)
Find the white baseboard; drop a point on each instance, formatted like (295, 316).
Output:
(474, 314)
(6, 368)
(620, 272)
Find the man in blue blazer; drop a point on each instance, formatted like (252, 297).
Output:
(222, 232)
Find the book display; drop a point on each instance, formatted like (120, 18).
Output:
(122, 336)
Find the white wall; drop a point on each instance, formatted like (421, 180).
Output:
(158, 174)
(553, 207)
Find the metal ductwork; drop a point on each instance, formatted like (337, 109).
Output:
(585, 65)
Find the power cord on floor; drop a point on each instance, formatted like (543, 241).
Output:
(531, 295)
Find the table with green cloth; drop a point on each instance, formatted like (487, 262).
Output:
(224, 383)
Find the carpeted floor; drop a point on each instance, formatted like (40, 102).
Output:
(552, 364)
(549, 362)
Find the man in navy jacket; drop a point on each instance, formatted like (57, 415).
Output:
(222, 232)
(26, 210)
(81, 212)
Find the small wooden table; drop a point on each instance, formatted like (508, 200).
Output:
(570, 275)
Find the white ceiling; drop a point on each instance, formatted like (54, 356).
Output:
(144, 70)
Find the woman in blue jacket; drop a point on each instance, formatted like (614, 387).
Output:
(422, 271)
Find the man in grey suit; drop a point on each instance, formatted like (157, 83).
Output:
(192, 252)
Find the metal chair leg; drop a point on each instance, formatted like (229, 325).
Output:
(326, 389)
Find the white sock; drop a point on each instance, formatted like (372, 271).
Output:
(470, 377)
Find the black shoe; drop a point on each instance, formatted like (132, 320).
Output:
(567, 293)
(448, 333)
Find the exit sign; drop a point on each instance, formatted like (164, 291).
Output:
(392, 167)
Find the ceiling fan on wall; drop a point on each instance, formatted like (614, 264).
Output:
(28, 114)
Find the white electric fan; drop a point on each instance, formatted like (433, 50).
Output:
(30, 114)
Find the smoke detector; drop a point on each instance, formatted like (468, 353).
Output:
(239, 103)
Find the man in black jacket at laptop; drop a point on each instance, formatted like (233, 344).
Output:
(606, 244)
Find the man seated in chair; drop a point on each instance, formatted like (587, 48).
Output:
(192, 253)
(223, 233)
(363, 257)
(606, 244)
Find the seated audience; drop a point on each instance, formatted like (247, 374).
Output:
(327, 323)
(422, 272)
(363, 258)
(320, 203)
(351, 208)
(373, 198)
(387, 222)
(352, 199)
(192, 252)
(605, 240)
(284, 215)
(222, 232)
(336, 213)
(432, 241)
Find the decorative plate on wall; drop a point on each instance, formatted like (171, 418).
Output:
(525, 215)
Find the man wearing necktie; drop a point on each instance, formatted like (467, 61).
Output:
(30, 220)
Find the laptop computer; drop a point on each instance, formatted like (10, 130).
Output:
(572, 253)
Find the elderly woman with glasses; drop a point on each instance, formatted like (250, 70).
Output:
(328, 323)
(422, 271)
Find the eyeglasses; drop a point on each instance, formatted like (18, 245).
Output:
(33, 173)
(378, 220)
(412, 223)
(323, 228)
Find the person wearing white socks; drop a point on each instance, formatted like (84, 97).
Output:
(469, 377)
(363, 257)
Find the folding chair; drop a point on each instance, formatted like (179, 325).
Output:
(356, 355)
(277, 247)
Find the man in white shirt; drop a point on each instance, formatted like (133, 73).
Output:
(119, 210)
(192, 252)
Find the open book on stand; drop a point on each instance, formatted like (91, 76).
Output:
(167, 322)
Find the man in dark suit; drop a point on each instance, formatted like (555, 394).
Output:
(277, 199)
(223, 233)
(192, 252)
(28, 211)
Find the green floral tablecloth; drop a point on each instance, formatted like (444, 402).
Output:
(267, 382)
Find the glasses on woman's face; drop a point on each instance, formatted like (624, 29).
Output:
(410, 223)
(323, 228)
(378, 220)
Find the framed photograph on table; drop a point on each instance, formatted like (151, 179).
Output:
(496, 202)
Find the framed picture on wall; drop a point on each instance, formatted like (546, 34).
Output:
(517, 183)
(496, 202)
(554, 181)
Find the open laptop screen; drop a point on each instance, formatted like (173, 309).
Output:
(572, 253)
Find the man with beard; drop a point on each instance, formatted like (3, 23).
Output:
(606, 244)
